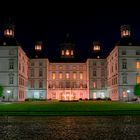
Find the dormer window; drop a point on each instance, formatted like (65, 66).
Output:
(96, 48)
(38, 47)
(9, 33)
(125, 31)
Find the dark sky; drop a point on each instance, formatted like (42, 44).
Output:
(84, 22)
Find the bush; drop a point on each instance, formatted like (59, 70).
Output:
(80, 99)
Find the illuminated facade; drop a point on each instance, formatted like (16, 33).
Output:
(38, 77)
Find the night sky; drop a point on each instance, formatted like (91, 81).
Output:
(84, 22)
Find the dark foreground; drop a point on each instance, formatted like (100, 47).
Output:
(70, 128)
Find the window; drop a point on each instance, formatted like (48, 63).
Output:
(40, 64)
(94, 63)
(11, 64)
(62, 53)
(11, 52)
(124, 79)
(96, 48)
(32, 83)
(53, 67)
(11, 80)
(137, 52)
(94, 84)
(32, 72)
(138, 79)
(32, 64)
(67, 75)
(138, 64)
(123, 52)
(102, 63)
(103, 84)
(94, 73)
(124, 64)
(74, 75)
(67, 52)
(71, 52)
(60, 75)
(40, 84)
(60, 67)
(53, 75)
(40, 72)
(81, 75)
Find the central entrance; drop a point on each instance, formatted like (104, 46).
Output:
(68, 96)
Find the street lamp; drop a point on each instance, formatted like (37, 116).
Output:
(8, 91)
(128, 91)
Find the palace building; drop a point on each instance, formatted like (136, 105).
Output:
(68, 78)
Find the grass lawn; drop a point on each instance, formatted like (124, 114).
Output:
(82, 108)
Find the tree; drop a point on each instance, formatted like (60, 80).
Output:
(137, 90)
(1, 91)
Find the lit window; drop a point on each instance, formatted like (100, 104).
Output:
(53, 75)
(67, 52)
(9, 32)
(124, 94)
(53, 67)
(138, 79)
(94, 84)
(138, 65)
(94, 95)
(81, 75)
(60, 75)
(67, 75)
(74, 75)
(96, 48)
(62, 53)
(60, 67)
(71, 52)
(38, 47)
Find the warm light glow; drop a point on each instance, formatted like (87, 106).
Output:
(96, 48)
(62, 53)
(74, 75)
(94, 95)
(138, 65)
(53, 76)
(125, 33)
(67, 52)
(138, 79)
(81, 75)
(71, 52)
(124, 94)
(60, 75)
(94, 84)
(8, 32)
(38, 47)
(67, 75)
